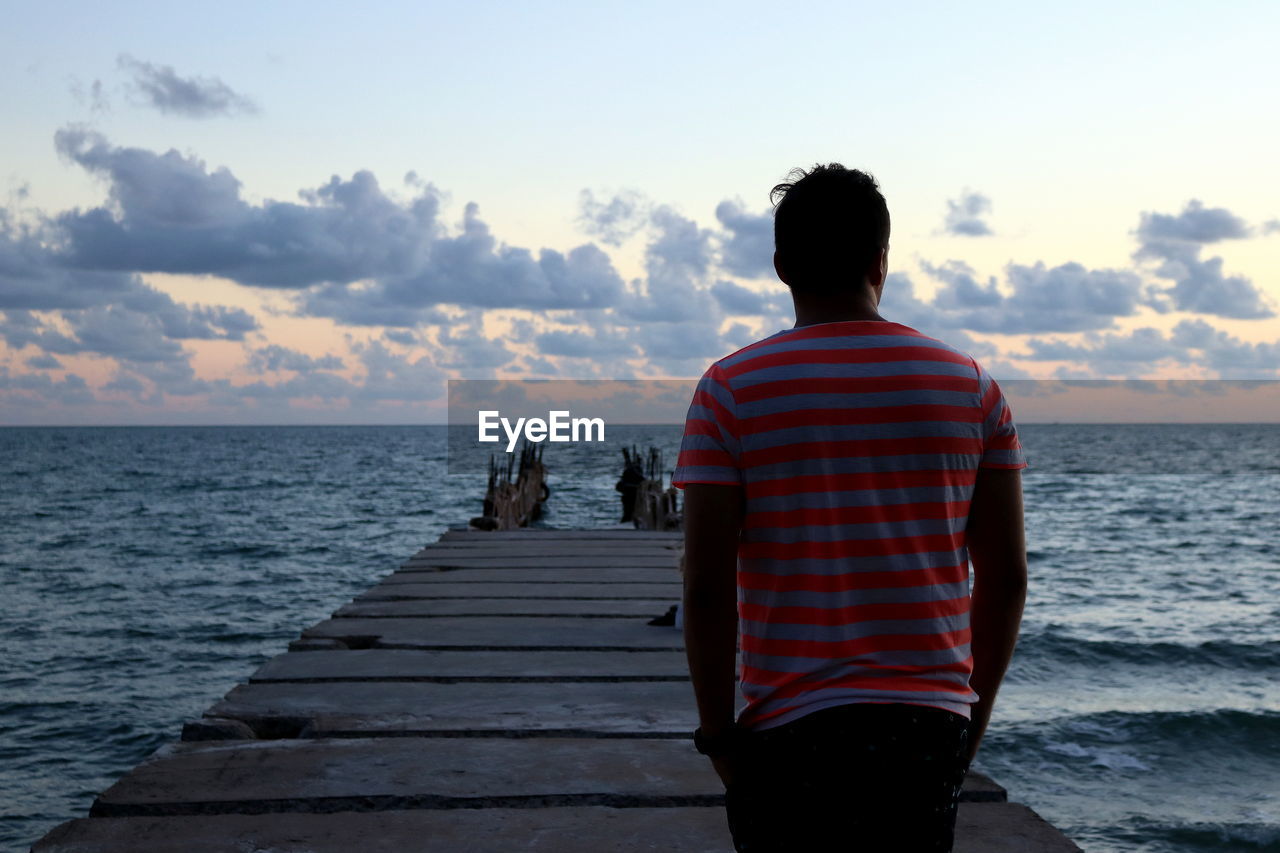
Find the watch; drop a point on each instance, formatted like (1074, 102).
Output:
(715, 745)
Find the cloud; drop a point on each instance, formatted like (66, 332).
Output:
(169, 213)
(1175, 242)
(71, 389)
(274, 357)
(1065, 298)
(1192, 343)
(1226, 353)
(613, 221)
(393, 377)
(465, 346)
(43, 362)
(1145, 346)
(1195, 224)
(676, 258)
(92, 96)
(747, 248)
(736, 299)
(961, 290)
(35, 277)
(403, 337)
(366, 258)
(160, 86)
(577, 344)
(964, 217)
(472, 269)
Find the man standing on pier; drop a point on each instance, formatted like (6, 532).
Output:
(839, 477)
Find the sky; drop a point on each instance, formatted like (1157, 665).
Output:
(312, 213)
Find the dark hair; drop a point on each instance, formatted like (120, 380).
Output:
(829, 225)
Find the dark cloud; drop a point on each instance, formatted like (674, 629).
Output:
(541, 366)
(275, 357)
(473, 269)
(1174, 243)
(170, 213)
(576, 344)
(615, 220)
(961, 290)
(1144, 350)
(736, 299)
(1195, 224)
(1144, 346)
(71, 389)
(466, 347)
(682, 349)
(401, 336)
(747, 247)
(676, 260)
(34, 277)
(1225, 353)
(391, 377)
(965, 214)
(43, 362)
(160, 86)
(1065, 298)
(304, 386)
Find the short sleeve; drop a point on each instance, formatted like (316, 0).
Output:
(1000, 445)
(709, 451)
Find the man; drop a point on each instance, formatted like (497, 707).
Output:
(839, 477)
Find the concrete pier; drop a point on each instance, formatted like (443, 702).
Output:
(500, 691)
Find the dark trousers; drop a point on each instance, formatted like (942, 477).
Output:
(860, 777)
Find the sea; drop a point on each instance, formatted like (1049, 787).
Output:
(147, 570)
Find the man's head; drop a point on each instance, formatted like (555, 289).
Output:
(830, 228)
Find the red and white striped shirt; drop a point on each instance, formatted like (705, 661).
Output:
(857, 444)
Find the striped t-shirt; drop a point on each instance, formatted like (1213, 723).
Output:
(857, 444)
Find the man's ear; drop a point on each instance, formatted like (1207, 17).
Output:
(879, 269)
(777, 267)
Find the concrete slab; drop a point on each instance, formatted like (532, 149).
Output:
(999, 828)
(376, 707)
(540, 561)
(980, 828)
(399, 773)
(532, 576)
(548, 535)
(561, 546)
(498, 632)
(361, 774)
(1007, 828)
(595, 608)
(558, 830)
(448, 588)
(409, 664)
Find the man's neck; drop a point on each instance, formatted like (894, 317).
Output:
(811, 311)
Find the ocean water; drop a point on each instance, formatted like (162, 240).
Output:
(146, 571)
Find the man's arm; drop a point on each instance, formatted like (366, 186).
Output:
(997, 546)
(712, 522)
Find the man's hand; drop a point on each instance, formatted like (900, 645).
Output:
(726, 768)
(712, 523)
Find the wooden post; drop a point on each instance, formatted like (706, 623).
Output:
(513, 503)
(656, 508)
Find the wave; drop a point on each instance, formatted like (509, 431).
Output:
(1041, 649)
(1148, 740)
(1140, 833)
